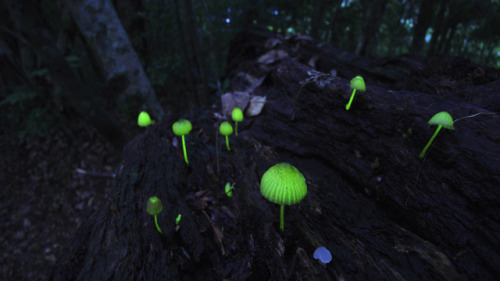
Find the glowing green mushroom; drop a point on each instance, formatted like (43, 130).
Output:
(144, 120)
(178, 219)
(181, 128)
(442, 119)
(283, 184)
(154, 207)
(229, 189)
(226, 129)
(237, 116)
(357, 83)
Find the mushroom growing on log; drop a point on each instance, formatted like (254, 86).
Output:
(395, 221)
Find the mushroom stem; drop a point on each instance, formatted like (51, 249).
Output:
(282, 219)
(236, 128)
(350, 100)
(157, 226)
(422, 154)
(227, 143)
(184, 150)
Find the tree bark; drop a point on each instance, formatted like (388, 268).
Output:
(99, 24)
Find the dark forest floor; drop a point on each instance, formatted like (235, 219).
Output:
(43, 200)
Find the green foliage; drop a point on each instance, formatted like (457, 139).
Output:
(27, 108)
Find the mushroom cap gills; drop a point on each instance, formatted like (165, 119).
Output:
(442, 118)
(283, 184)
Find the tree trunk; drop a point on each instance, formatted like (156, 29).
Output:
(384, 213)
(423, 22)
(197, 50)
(317, 19)
(333, 29)
(27, 18)
(99, 24)
(438, 27)
(372, 18)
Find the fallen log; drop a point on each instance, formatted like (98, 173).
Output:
(384, 213)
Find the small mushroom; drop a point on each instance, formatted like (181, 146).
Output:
(442, 119)
(226, 129)
(283, 184)
(181, 128)
(154, 207)
(237, 116)
(144, 120)
(229, 189)
(323, 255)
(357, 83)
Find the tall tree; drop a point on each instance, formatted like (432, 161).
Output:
(372, 18)
(437, 28)
(197, 49)
(101, 27)
(75, 94)
(423, 22)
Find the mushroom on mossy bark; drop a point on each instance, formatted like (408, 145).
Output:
(154, 207)
(442, 119)
(283, 184)
(226, 129)
(237, 116)
(357, 83)
(181, 128)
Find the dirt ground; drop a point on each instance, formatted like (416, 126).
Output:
(43, 199)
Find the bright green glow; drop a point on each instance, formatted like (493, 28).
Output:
(283, 184)
(422, 154)
(350, 100)
(357, 83)
(178, 219)
(282, 217)
(154, 207)
(184, 150)
(229, 189)
(237, 116)
(157, 226)
(144, 120)
(442, 119)
(181, 128)
(226, 129)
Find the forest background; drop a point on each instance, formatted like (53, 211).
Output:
(75, 74)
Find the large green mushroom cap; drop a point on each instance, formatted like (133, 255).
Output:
(237, 114)
(182, 127)
(225, 128)
(442, 118)
(283, 184)
(358, 83)
(154, 206)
